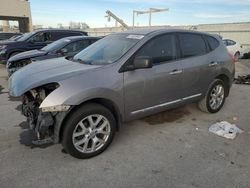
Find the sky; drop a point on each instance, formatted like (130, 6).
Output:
(181, 12)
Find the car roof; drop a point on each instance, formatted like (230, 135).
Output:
(73, 38)
(64, 30)
(10, 33)
(160, 30)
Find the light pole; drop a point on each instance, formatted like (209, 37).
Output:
(150, 11)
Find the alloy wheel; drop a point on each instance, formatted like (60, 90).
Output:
(216, 97)
(91, 133)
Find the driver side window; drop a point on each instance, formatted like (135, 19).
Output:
(160, 49)
(41, 37)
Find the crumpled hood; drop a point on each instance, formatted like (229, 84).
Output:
(43, 72)
(27, 55)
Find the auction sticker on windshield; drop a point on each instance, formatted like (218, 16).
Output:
(135, 37)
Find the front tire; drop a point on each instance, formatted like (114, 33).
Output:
(214, 98)
(89, 131)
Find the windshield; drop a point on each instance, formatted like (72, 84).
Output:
(55, 46)
(107, 50)
(25, 36)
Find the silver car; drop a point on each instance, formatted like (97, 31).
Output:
(82, 102)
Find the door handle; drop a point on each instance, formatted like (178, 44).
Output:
(212, 64)
(176, 71)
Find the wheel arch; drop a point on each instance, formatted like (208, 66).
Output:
(102, 101)
(226, 81)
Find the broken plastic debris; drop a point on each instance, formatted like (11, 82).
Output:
(242, 80)
(225, 129)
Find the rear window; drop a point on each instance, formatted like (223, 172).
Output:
(213, 43)
(192, 45)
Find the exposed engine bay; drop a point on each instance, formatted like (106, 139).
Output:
(14, 66)
(41, 122)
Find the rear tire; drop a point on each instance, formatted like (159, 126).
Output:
(214, 98)
(88, 131)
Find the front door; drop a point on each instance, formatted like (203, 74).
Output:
(147, 90)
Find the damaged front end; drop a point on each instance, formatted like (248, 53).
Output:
(15, 66)
(41, 120)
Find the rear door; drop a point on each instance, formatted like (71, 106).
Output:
(195, 64)
(147, 90)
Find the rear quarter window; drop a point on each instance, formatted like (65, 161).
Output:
(212, 42)
(192, 45)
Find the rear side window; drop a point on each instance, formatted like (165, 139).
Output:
(231, 42)
(212, 42)
(192, 45)
(41, 37)
(161, 49)
(77, 46)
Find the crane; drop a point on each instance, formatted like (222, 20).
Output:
(150, 11)
(120, 21)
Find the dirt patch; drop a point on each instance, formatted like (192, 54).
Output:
(168, 116)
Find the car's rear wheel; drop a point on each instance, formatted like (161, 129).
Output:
(89, 131)
(214, 98)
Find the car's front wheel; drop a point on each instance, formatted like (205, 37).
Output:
(214, 98)
(89, 131)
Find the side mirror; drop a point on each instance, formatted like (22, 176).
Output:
(142, 62)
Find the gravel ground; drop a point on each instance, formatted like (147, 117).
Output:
(170, 149)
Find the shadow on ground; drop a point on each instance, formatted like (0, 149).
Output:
(19, 108)
(15, 98)
(28, 135)
(1, 90)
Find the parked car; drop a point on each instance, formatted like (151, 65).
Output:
(234, 47)
(34, 40)
(68, 46)
(15, 37)
(8, 35)
(81, 102)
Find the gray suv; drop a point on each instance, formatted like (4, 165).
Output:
(81, 102)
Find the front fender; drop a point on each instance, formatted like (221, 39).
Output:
(76, 97)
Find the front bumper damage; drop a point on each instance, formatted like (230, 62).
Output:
(40, 122)
(45, 122)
